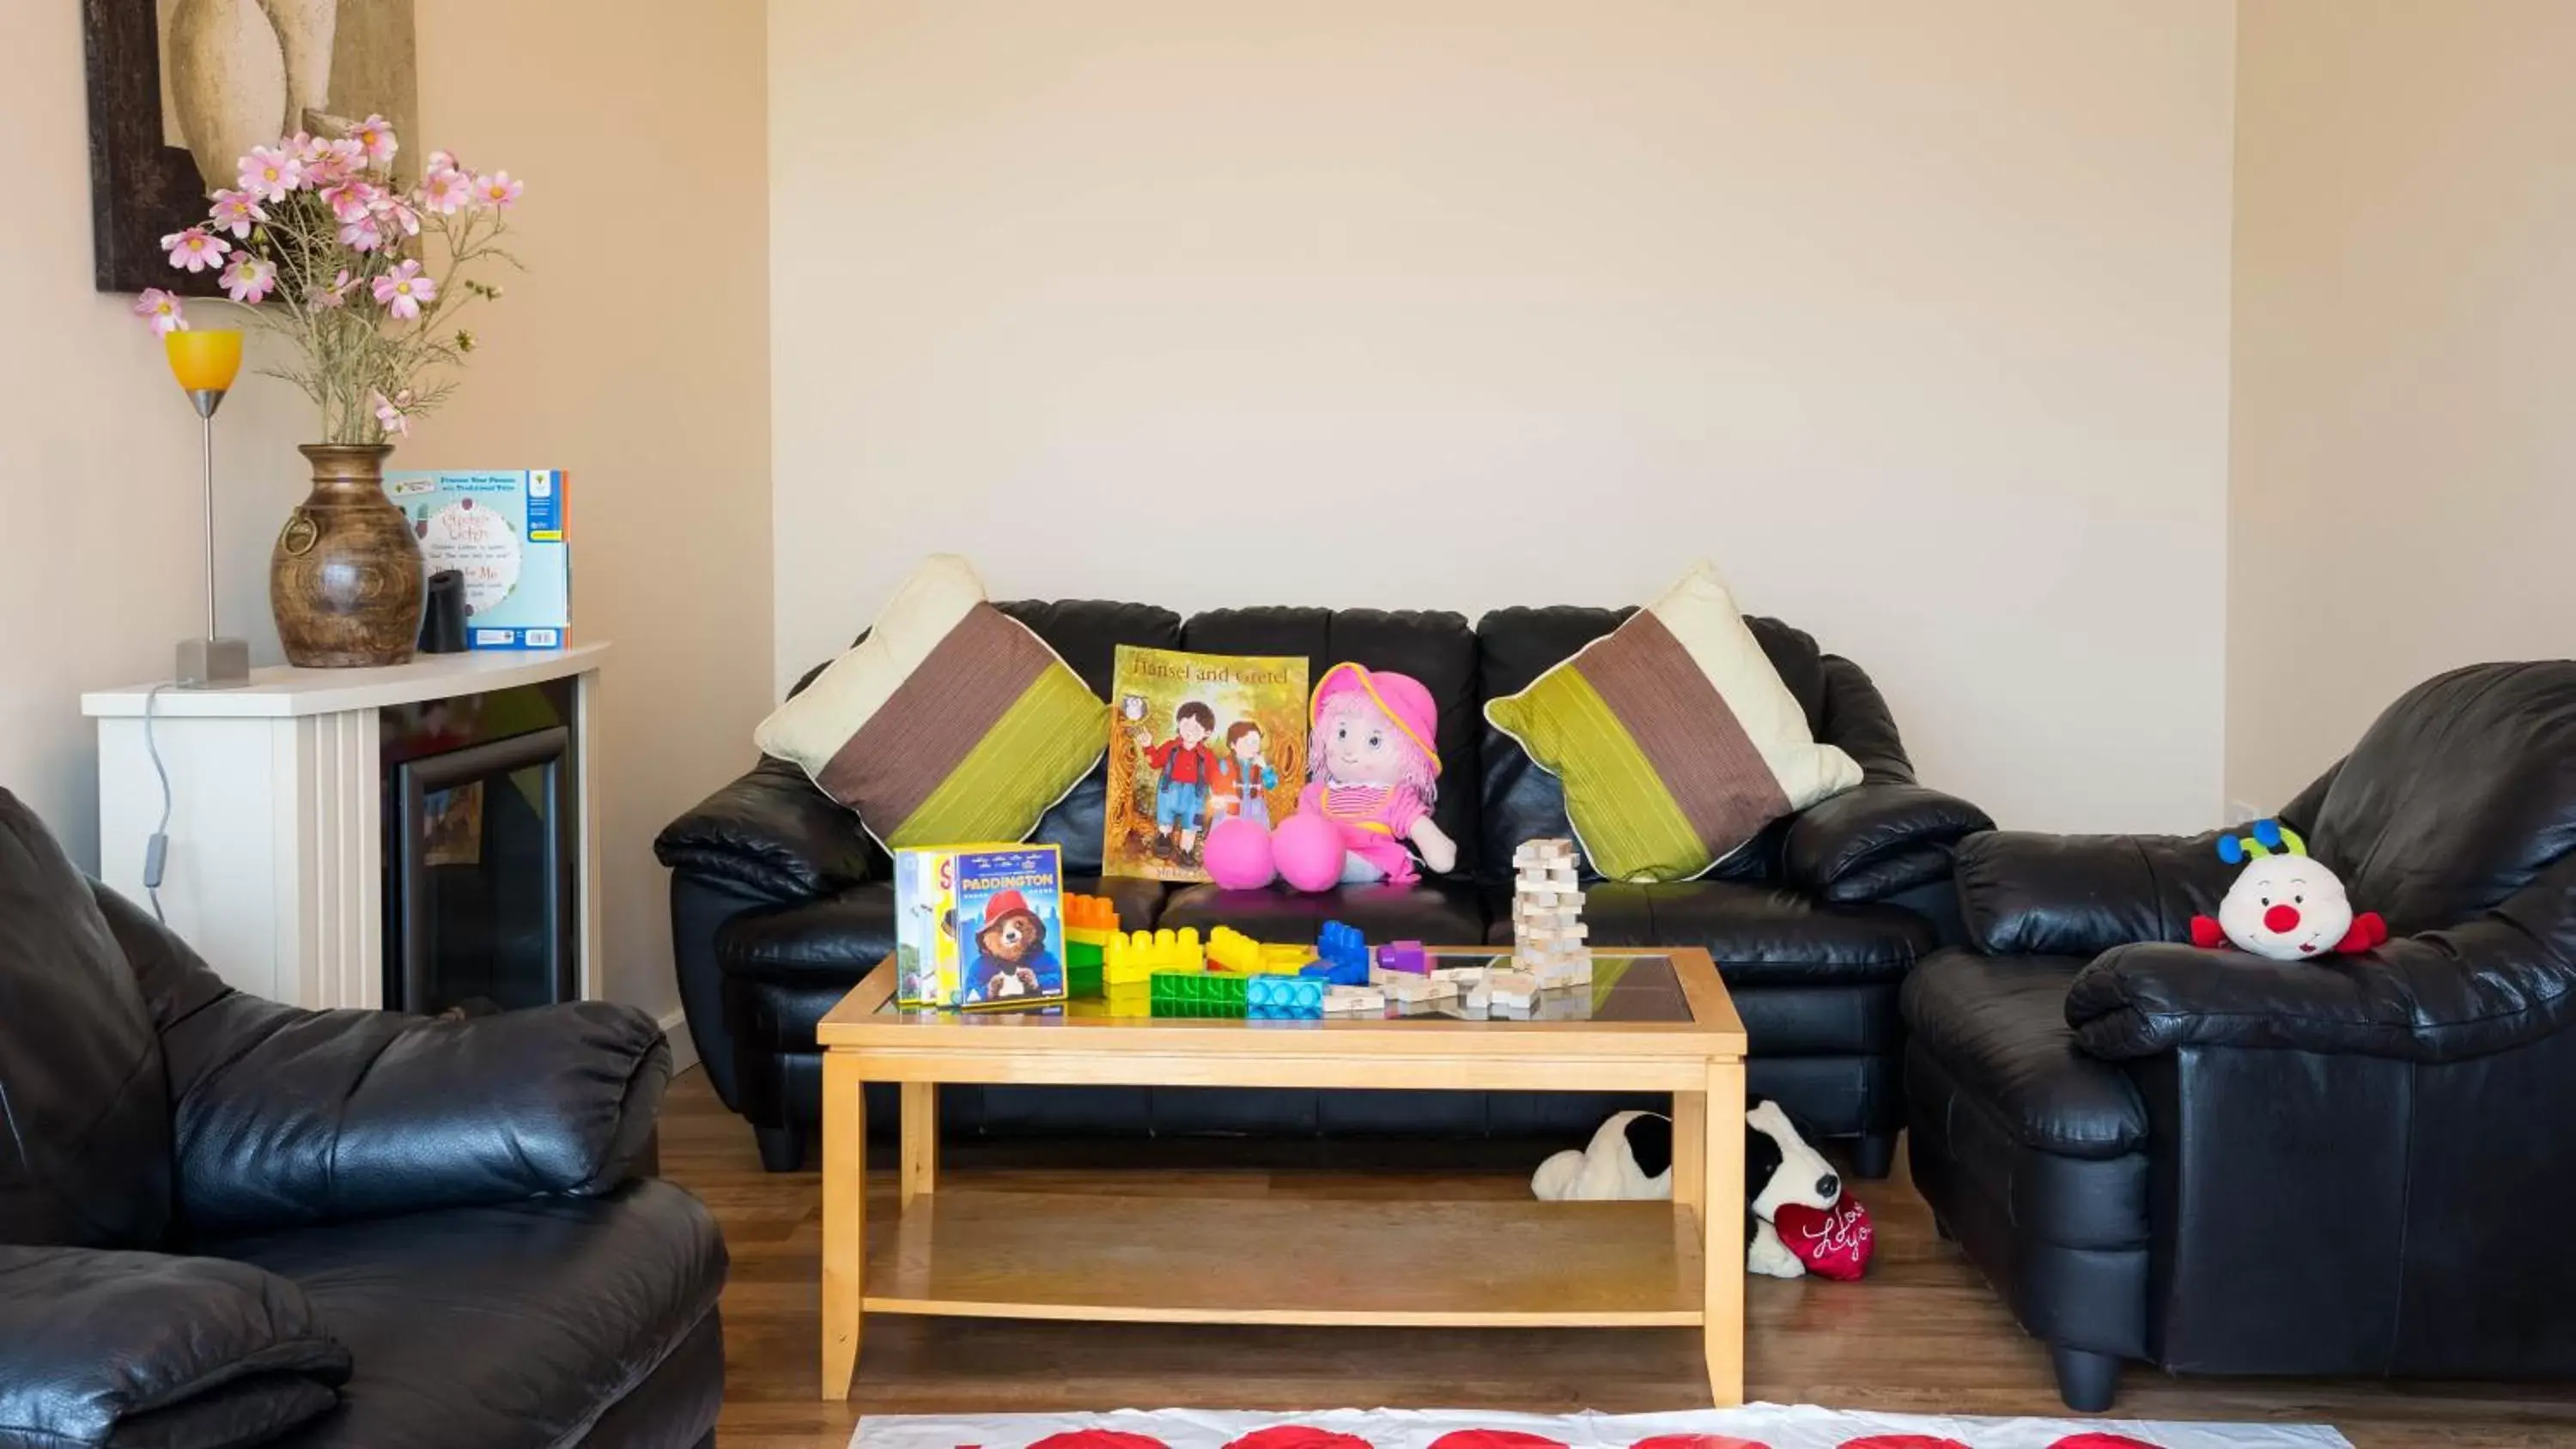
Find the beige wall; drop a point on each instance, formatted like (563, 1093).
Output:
(634, 353)
(1913, 317)
(2404, 477)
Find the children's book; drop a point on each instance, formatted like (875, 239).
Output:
(1010, 927)
(978, 926)
(503, 529)
(1195, 739)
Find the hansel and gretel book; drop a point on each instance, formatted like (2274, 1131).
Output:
(1195, 739)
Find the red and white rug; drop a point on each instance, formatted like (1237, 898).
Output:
(1755, 1426)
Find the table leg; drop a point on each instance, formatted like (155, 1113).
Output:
(845, 1217)
(920, 1139)
(1722, 1244)
(1690, 1156)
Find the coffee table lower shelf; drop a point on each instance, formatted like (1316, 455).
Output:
(1150, 1259)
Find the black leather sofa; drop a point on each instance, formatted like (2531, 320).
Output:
(224, 1222)
(2227, 1165)
(779, 902)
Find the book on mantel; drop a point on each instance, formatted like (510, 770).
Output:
(503, 529)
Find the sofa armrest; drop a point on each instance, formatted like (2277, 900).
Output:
(287, 1117)
(2026, 894)
(773, 832)
(1876, 840)
(113, 1348)
(2500, 981)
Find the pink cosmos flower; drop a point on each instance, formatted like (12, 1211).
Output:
(390, 414)
(375, 136)
(196, 249)
(160, 311)
(308, 148)
(334, 295)
(366, 234)
(399, 214)
(334, 162)
(250, 278)
(402, 290)
(350, 200)
(446, 192)
(237, 212)
(497, 189)
(441, 161)
(269, 172)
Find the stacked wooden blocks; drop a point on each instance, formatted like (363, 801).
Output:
(1547, 919)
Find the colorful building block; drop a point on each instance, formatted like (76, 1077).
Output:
(1342, 956)
(1274, 998)
(1090, 924)
(1133, 958)
(1405, 956)
(1199, 993)
(1231, 950)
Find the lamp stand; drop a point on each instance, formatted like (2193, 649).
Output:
(213, 662)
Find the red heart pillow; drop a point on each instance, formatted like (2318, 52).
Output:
(1833, 1242)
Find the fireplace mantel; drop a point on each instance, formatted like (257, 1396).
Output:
(275, 868)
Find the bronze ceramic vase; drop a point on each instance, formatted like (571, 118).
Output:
(345, 578)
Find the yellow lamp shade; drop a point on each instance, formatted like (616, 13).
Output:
(204, 361)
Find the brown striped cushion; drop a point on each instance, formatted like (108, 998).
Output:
(949, 724)
(1675, 739)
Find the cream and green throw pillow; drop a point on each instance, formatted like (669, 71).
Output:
(1675, 739)
(949, 722)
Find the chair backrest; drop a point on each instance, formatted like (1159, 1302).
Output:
(85, 1132)
(2461, 793)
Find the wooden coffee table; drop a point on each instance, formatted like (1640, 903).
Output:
(1652, 1021)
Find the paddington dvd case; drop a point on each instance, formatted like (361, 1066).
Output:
(978, 926)
(503, 529)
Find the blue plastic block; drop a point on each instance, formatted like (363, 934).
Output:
(1343, 956)
(1295, 998)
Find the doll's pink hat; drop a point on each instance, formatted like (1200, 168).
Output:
(1400, 696)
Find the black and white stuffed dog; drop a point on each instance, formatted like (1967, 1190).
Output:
(1631, 1159)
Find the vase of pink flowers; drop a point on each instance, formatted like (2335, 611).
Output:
(361, 281)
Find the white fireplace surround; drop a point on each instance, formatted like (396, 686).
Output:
(275, 865)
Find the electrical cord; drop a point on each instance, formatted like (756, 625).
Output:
(156, 852)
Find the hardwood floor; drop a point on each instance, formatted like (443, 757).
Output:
(1921, 1333)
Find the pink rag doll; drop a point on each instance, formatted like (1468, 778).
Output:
(1372, 778)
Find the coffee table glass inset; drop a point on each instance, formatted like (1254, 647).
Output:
(1626, 987)
(1650, 1022)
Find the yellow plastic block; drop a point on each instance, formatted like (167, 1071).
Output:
(1231, 950)
(1132, 959)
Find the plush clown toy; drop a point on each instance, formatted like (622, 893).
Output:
(2285, 905)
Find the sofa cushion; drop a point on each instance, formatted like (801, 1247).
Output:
(1434, 911)
(842, 936)
(1675, 737)
(949, 721)
(1759, 935)
(499, 1326)
(1996, 1026)
(1520, 801)
(1434, 647)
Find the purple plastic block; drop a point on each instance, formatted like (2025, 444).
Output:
(1405, 956)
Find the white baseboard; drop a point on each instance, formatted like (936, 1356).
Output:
(684, 1051)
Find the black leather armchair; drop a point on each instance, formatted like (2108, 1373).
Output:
(227, 1222)
(2224, 1164)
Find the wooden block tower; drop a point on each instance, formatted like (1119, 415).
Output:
(1547, 915)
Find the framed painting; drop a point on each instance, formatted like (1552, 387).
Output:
(181, 89)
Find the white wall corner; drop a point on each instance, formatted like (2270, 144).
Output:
(684, 1049)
